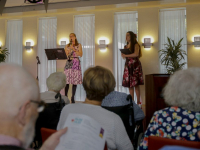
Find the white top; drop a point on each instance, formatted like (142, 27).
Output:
(117, 137)
(49, 97)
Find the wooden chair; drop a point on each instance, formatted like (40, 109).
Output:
(155, 143)
(48, 132)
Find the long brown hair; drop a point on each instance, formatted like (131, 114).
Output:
(133, 40)
(76, 41)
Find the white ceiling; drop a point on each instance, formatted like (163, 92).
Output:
(14, 3)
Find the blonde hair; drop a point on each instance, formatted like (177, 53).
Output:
(183, 89)
(56, 81)
(98, 82)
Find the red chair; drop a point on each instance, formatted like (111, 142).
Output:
(48, 132)
(155, 143)
(45, 133)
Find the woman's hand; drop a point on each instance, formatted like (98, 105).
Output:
(72, 48)
(53, 140)
(67, 52)
(123, 55)
(76, 53)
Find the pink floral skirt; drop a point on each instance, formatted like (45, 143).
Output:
(73, 72)
(133, 74)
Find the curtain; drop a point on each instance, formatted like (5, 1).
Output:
(84, 28)
(47, 37)
(14, 41)
(124, 22)
(173, 25)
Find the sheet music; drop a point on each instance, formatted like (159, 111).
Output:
(84, 133)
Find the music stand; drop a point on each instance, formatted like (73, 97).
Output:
(56, 54)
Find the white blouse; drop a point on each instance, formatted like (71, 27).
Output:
(117, 137)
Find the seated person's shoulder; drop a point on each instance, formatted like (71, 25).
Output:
(43, 95)
(115, 98)
(167, 109)
(137, 46)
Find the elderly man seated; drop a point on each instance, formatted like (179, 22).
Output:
(50, 116)
(19, 108)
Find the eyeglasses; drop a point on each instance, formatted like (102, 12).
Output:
(41, 105)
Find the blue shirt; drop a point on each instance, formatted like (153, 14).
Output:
(115, 99)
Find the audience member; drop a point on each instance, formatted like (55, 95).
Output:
(19, 109)
(114, 99)
(50, 116)
(117, 103)
(99, 82)
(181, 120)
(55, 82)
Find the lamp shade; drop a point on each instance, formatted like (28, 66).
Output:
(147, 43)
(102, 44)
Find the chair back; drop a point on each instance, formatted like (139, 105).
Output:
(45, 133)
(48, 132)
(155, 143)
(126, 113)
(123, 113)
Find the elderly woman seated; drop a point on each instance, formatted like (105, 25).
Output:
(50, 116)
(99, 82)
(55, 82)
(180, 121)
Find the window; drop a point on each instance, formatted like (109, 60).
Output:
(124, 22)
(84, 28)
(173, 25)
(47, 38)
(14, 41)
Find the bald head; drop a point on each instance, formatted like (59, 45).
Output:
(16, 87)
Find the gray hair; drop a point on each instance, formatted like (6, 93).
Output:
(56, 81)
(183, 89)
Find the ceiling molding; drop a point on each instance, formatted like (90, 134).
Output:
(72, 4)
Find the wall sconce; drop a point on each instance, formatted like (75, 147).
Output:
(147, 43)
(63, 44)
(0, 44)
(196, 42)
(28, 46)
(102, 44)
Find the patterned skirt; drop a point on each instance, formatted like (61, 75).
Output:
(72, 71)
(133, 74)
